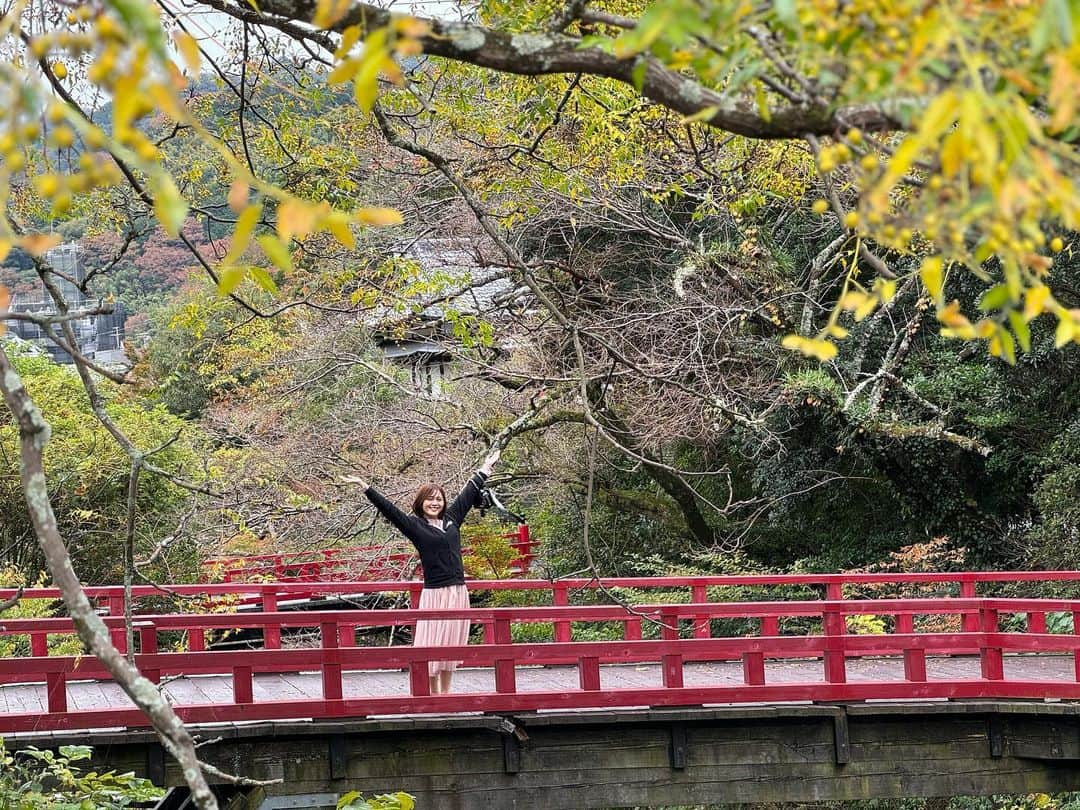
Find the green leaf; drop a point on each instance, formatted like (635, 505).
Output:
(144, 22)
(763, 104)
(245, 224)
(1008, 346)
(74, 753)
(786, 13)
(366, 85)
(229, 278)
(276, 252)
(637, 76)
(1021, 329)
(263, 279)
(170, 208)
(995, 298)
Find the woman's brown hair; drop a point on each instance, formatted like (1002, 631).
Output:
(422, 494)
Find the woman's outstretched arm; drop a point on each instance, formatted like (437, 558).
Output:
(470, 493)
(387, 508)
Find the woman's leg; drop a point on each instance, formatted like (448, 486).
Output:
(435, 684)
(445, 677)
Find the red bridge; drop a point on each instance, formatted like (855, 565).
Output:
(926, 648)
(371, 563)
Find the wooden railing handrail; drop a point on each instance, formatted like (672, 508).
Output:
(573, 613)
(305, 589)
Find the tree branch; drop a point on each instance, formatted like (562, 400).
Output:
(34, 434)
(535, 54)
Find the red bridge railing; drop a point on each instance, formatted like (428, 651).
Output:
(336, 654)
(371, 563)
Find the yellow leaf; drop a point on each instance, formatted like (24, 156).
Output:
(1065, 329)
(952, 317)
(238, 195)
(276, 252)
(36, 244)
(262, 278)
(338, 225)
(812, 347)
(343, 71)
(295, 218)
(885, 288)
(170, 207)
(932, 273)
(377, 216)
(328, 12)
(1035, 301)
(1062, 97)
(865, 308)
(366, 85)
(411, 27)
(245, 224)
(349, 37)
(985, 328)
(393, 72)
(189, 51)
(952, 153)
(5, 249)
(125, 101)
(229, 278)
(166, 101)
(837, 331)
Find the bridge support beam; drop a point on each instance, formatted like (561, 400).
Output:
(788, 753)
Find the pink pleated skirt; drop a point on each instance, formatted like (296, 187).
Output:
(443, 632)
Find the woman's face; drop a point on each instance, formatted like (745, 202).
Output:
(433, 504)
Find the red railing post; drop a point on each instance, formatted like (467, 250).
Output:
(915, 664)
(970, 619)
(700, 595)
(56, 691)
(753, 666)
(632, 629)
(331, 664)
(589, 673)
(196, 639)
(148, 645)
(835, 627)
(905, 624)
(990, 658)
(419, 685)
(1076, 652)
(505, 675)
(271, 635)
(347, 635)
(118, 636)
(243, 687)
(1036, 621)
(669, 625)
(560, 596)
(525, 536)
(672, 665)
(39, 645)
(770, 625)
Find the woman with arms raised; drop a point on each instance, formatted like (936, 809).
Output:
(434, 528)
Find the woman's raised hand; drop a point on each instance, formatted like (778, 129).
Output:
(354, 479)
(490, 461)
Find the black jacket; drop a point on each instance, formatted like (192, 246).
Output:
(440, 549)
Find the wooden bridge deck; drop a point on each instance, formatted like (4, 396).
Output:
(209, 689)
